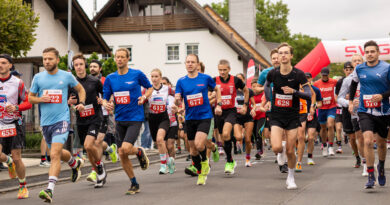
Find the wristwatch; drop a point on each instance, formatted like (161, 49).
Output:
(220, 103)
(16, 107)
(82, 103)
(247, 104)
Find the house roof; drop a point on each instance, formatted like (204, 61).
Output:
(83, 31)
(213, 21)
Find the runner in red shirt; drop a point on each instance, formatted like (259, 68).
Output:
(327, 113)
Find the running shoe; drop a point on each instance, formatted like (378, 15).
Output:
(143, 158)
(23, 192)
(12, 170)
(114, 154)
(280, 159)
(248, 163)
(365, 173)
(76, 172)
(171, 165)
(2, 167)
(290, 182)
(191, 170)
(46, 195)
(381, 175)
(258, 156)
(188, 158)
(205, 168)
(163, 169)
(178, 151)
(220, 151)
(134, 188)
(101, 175)
(388, 145)
(310, 161)
(215, 154)
(284, 168)
(339, 150)
(331, 151)
(358, 163)
(201, 179)
(44, 164)
(298, 167)
(229, 167)
(371, 182)
(375, 146)
(92, 177)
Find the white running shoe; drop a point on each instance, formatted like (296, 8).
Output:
(388, 145)
(331, 151)
(280, 159)
(44, 164)
(310, 161)
(248, 163)
(325, 152)
(290, 182)
(365, 173)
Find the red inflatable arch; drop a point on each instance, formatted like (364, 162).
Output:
(327, 52)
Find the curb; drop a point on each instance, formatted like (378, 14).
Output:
(67, 179)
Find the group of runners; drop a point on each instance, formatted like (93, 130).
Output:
(283, 108)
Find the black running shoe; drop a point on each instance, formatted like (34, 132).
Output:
(284, 169)
(258, 156)
(133, 189)
(358, 162)
(76, 172)
(142, 158)
(46, 195)
(101, 175)
(188, 158)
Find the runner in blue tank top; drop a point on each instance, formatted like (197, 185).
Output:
(193, 89)
(49, 89)
(374, 108)
(125, 86)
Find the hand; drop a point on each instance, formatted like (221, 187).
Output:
(312, 111)
(79, 107)
(253, 112)
(72, 100)
(267, 106)
(141, 100)
(10, 108)
(356, 102)
(376, 98)
(218, 110)
(350, 107)
(99, 100)
(287, 90)
(347, 97)
(109, 106)
(243, 110)
(45, 98)
(174, 108)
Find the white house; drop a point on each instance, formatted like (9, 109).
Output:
(160, 33)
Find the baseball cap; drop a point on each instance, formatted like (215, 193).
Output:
(348, 64)
(8, 57)
(325, 71)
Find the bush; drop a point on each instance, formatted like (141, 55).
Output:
(33, 140)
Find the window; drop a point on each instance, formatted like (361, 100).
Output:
(192, 49)
(130, 48)
(107, 55)
(173, 53)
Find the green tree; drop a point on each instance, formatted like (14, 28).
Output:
(271, 18)
(302, 45)
(17, 26)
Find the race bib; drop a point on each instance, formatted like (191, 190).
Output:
(283, 100)
(327, 100)
(88, 111)
(239, 107)
(300, 106)
(310, 117)
(226, 99)
(8, 130)
(55, 96)
(339, 111)
(157, 108)
(195, 100)
(122, 98)
(367, 102)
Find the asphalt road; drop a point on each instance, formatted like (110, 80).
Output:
(331, 181)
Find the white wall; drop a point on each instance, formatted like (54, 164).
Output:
(50, 32)
(149, 51)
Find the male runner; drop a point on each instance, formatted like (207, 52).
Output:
(125, 84)
(327, 113)
(13, 100)
(95, 67)
(49, 89)
(287, 81)
(193, 89)
(229, 85)
(374, 108)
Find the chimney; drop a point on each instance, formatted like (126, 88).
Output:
(242, 17)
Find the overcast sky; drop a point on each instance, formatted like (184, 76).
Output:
(326, 19)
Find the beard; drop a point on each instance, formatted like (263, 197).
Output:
(94, 73)
(51, 68)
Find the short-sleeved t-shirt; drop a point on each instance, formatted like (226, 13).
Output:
(263, 76)
(373, 80)
(194, 91)
(327, 92)
(126, 90)
(286, 104)
(56, 86)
